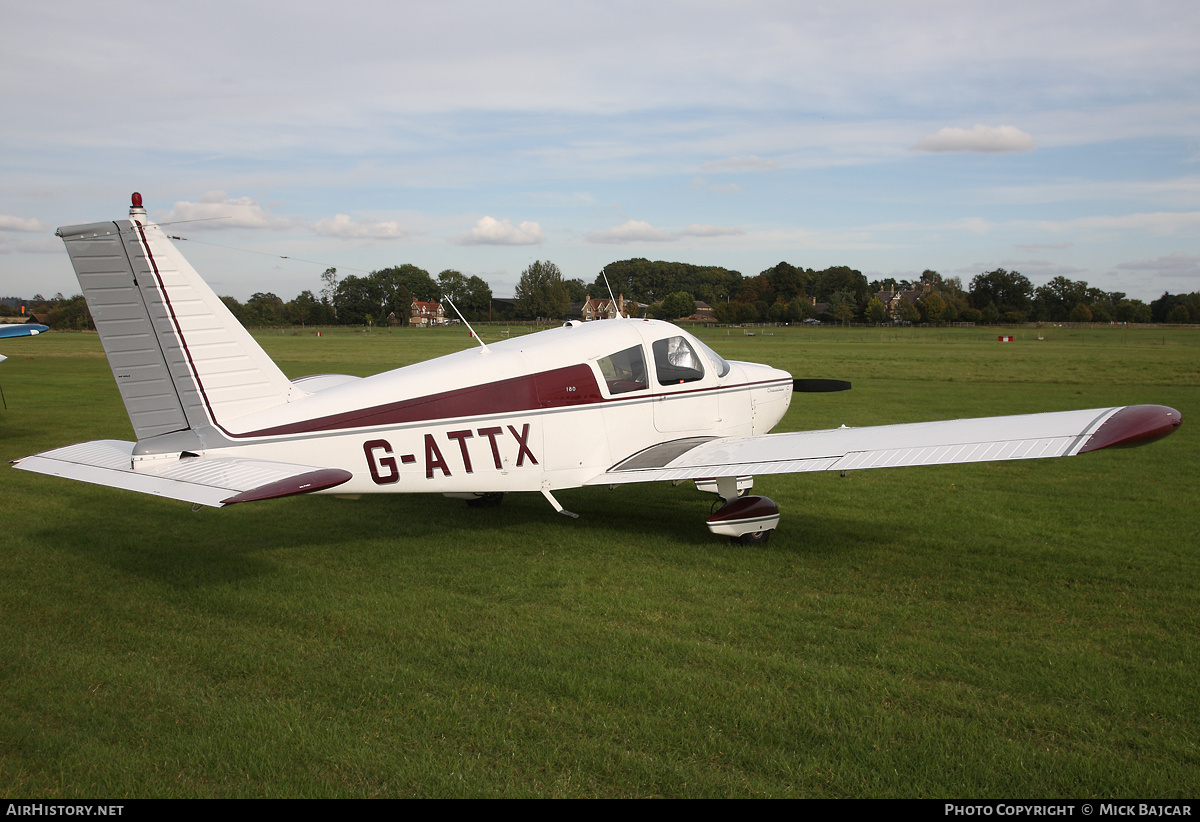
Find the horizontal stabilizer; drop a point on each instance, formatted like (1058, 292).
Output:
(202, 480)
(986, 439)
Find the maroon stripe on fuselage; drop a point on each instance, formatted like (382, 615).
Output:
(559, 388)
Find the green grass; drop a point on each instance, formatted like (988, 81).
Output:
(1024, 629)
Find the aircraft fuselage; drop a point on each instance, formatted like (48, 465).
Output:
(544, 411)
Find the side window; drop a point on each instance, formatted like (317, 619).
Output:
(675, 361)
(624, 371)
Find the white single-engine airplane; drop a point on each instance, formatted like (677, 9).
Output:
(601, 403)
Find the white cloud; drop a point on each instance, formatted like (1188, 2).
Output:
(342, 225)
(8, 223)
(1159, 223)
(1177, 265)
(631, 231)
(981, 138)
(731, 188)
(217, 211)
(490, 231)
(1042, 269)
(751, 162)
(697, 230)
(640, 231)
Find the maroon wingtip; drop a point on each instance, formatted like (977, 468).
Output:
(299, 484)
(744, 508)
(1134, 425)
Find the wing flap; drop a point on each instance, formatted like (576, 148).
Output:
(201, 480)
(986, 439)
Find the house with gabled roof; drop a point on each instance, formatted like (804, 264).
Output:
(602, 308)
(427, 312)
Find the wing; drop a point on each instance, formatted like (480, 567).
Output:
(1028, 436)
(22, 330)
(202, 480)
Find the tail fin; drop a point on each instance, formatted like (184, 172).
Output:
(180, 358)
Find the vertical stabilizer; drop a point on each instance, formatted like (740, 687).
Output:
(180, 358)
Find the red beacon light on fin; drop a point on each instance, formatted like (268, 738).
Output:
(137, 200)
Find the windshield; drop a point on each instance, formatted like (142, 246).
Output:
(675, 361)
(715, 358)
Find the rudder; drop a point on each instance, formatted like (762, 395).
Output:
(180, 358)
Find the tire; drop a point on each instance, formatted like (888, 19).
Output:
(757, 538)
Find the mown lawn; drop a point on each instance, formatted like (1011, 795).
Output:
(1024, 629)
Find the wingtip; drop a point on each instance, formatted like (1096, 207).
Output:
(300, 484)
(1134, 425)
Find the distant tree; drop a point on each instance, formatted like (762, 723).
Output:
(1132, 311)
(416, 280)
(1080, 314)
(840, 307)
(72, 314)
(788, 281)
(726, 312)
(757, 289)
(876, 311)
(1162, 308)
(471, 295)
(1178, 315)
(577, 290)
(802, 308)
(746, 313)
(329, 283)
(452, 284)
(305, 310)
(479, 297)
(844, 279)
(264, 308)
(934, 308)
(354, 299)
(1005, 290)
(679, 304)
(541, 292)
(236, 309)
(932, 278)
(909, 313)
(1054, 300)
(650, 282)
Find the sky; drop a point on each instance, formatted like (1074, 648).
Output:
(1054, 139)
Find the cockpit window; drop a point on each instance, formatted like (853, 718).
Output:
(624, 371)
(675, 361)
(715, 358)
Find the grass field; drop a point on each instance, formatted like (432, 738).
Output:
(1025, 629)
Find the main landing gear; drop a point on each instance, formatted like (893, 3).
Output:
(747, 520)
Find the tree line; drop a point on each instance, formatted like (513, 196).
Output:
(669, 290)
